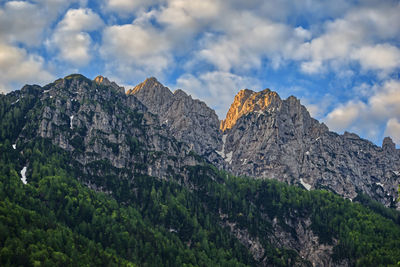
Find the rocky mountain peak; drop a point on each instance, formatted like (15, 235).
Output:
(106, 82)
(180, 93)
(100, 79)
(247, 101)
(187, 119)
(388, 144)
(150, 84)
(152, 94)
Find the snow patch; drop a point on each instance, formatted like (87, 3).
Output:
(46, 91)
(23, 175)
(244, 161)
(307, 186)
(381, 185)
(229, 157)
(307, 153)
(13, 103)
(318, 138)
(14, 146)
(222, 152)
(51, 96)
(70, 122)
(397, 173)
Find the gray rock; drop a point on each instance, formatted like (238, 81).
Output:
(96, 120)
(188, 120)
(281, 141)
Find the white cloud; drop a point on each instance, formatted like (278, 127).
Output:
(125, 7)
(216, 88)
(367, 118)
(18, 67)
(71, 37)
(312, 67)
(343, 116)
(379, 57)
(189, 14)
(130, 46)
(248, 40)
(82, 19)
(358, 36)
(22, 22)
(28, 22)
(385, 102)
(393, 129)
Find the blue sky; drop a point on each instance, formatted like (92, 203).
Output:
(341, 58)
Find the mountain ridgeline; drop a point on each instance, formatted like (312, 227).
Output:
(93, 175)
(264, 136)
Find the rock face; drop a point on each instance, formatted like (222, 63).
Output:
(188, 120)
(101, 125)
(247, 101)
(152, 131)
(266, 137)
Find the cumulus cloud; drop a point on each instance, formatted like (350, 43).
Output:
(28, 22)
(343, 116)
(189, 14)
(18, 67)
(22, 22)
(349, 38)
(383, 57)
(248, 40)
(125, 7)
(367, 118)
(71, 37)
(393, 130)
(131, 46)
(216, 88)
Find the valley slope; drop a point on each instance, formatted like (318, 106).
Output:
(139, 179)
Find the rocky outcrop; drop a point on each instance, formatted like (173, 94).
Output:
(247, 101)
(272, 138)
(188, 120)
(97, 122)
(264, 136)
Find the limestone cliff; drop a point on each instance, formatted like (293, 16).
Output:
(247, 101)
(266, 137)
(187, 119)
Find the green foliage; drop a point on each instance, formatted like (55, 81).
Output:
(74, 215)
(56, 220)
(358, 234)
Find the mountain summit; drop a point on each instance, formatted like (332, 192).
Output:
(131, 173)
(247, 101)
(264, 136)
(188, 120)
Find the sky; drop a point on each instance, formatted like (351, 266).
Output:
(340, 58)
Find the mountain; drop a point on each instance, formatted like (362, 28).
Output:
(264, 136)
(188, 120)
(91, 175)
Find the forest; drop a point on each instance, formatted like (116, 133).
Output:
(201, 216)
(55, 220)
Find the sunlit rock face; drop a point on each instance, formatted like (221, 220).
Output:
(263, 136)
(266, 137)
(247, 101)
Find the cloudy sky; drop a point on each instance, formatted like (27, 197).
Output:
(341, 58)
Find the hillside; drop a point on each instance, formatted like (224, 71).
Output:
(107, 183)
